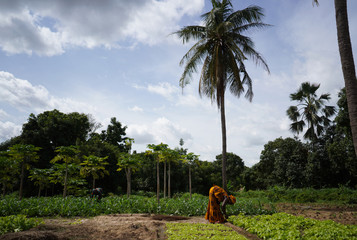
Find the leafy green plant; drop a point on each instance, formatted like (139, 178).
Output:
(286, 226)
(17, 223)
(177, 231)
(84, 206)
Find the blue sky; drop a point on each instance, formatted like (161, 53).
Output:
(116, 58)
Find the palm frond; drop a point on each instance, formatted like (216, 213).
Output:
(293, 113)
(297, 127)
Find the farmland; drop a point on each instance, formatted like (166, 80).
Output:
(139, 217)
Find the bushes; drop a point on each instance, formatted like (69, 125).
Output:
(305, 195)
(17, 223)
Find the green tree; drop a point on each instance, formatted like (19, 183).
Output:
(311, 111)
(235, 165)
(129, 162)
(157, 151)
(41, 178)
(52, 129)
(347, 63)
(192, 159)
(24, 155)
(67, 155)
(282, 162)
(94, 166)
(170, 156)
(115, 134)
(222, 49)
(9, 170)
(69, 175)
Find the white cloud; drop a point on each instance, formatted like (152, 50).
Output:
(164, 89)
(161, 130)
(8, 130)
(48, 28)
(26, 98)
(136, 109)
(23, 96)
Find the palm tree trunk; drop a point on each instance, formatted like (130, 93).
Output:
(224, 143)
(165, 186)
(348, 66)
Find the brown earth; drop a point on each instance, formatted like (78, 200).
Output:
(341, 214)
(146, 227)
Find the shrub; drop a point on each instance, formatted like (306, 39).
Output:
(17, 223)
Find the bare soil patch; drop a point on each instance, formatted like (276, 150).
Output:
(118, 226)
(340, 214)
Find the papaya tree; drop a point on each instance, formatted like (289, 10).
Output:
(24, 155)
(192, 159)
(67, 155)
(9, 171)
(94, 166)
(157, 151)
(41, 178)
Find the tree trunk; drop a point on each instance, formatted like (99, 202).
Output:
(65, 182)
(22, 180)
(169, 183)
(39, 192)
(93, 183)
(348, 66)
(224, 144)
(165, 186)
(128, 181)
(189, 181)
(157, 182)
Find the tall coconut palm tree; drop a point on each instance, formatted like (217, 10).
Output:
(347, 62)
(311, 110)
(222, 48)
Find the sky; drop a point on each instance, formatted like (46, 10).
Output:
(119, 58)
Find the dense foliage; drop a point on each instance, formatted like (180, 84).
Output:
(341, 195)
(286, 226)
(17, 223)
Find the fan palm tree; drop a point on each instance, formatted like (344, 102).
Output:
(222, 48)
(311, 110)
(347, 62)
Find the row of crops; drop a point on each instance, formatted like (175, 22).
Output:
(275, 226)
(86, 207)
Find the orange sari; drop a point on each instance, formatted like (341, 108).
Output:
(216, 196)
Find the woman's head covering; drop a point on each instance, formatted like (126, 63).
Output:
(232, 199)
